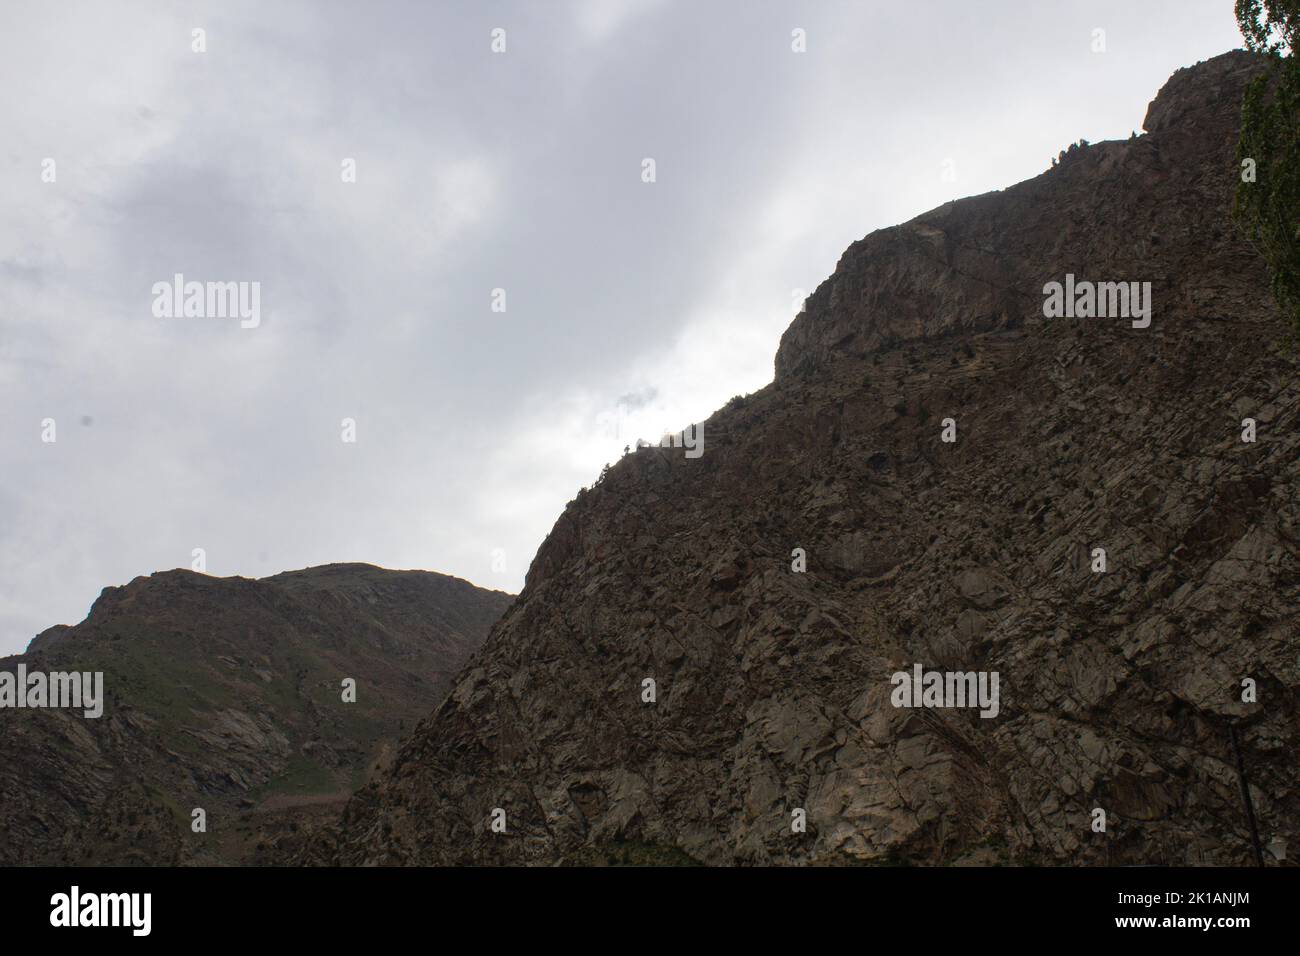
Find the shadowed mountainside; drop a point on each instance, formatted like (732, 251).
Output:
(226, 694)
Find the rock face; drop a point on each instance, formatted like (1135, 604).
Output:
(225, 694)
(1120, 690)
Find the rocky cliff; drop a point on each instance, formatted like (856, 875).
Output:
(225, 695)
(1125, 677)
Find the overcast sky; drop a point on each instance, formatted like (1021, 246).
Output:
(630, 307)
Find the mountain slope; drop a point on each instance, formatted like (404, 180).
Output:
(1118, 690)
(225, 694)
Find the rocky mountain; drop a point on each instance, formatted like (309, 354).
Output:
(1097, 534)
(226, 695)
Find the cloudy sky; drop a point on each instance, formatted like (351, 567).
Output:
(631, 307)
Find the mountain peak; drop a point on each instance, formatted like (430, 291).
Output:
(225, 694)
(979, 264)
(1214, 84)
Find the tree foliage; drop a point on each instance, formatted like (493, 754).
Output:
(1268, 208)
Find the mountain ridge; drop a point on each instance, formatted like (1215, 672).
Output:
(225, 694)
(1121, 690)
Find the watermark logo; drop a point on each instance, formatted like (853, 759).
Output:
(208, 300)
(1101, 300)
(923, 688)
(692, 439)
(103, 909)
(59, 689)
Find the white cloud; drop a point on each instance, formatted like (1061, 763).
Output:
(475, 171)
(599, 20)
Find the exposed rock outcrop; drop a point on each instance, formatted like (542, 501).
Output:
(1117, 689)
